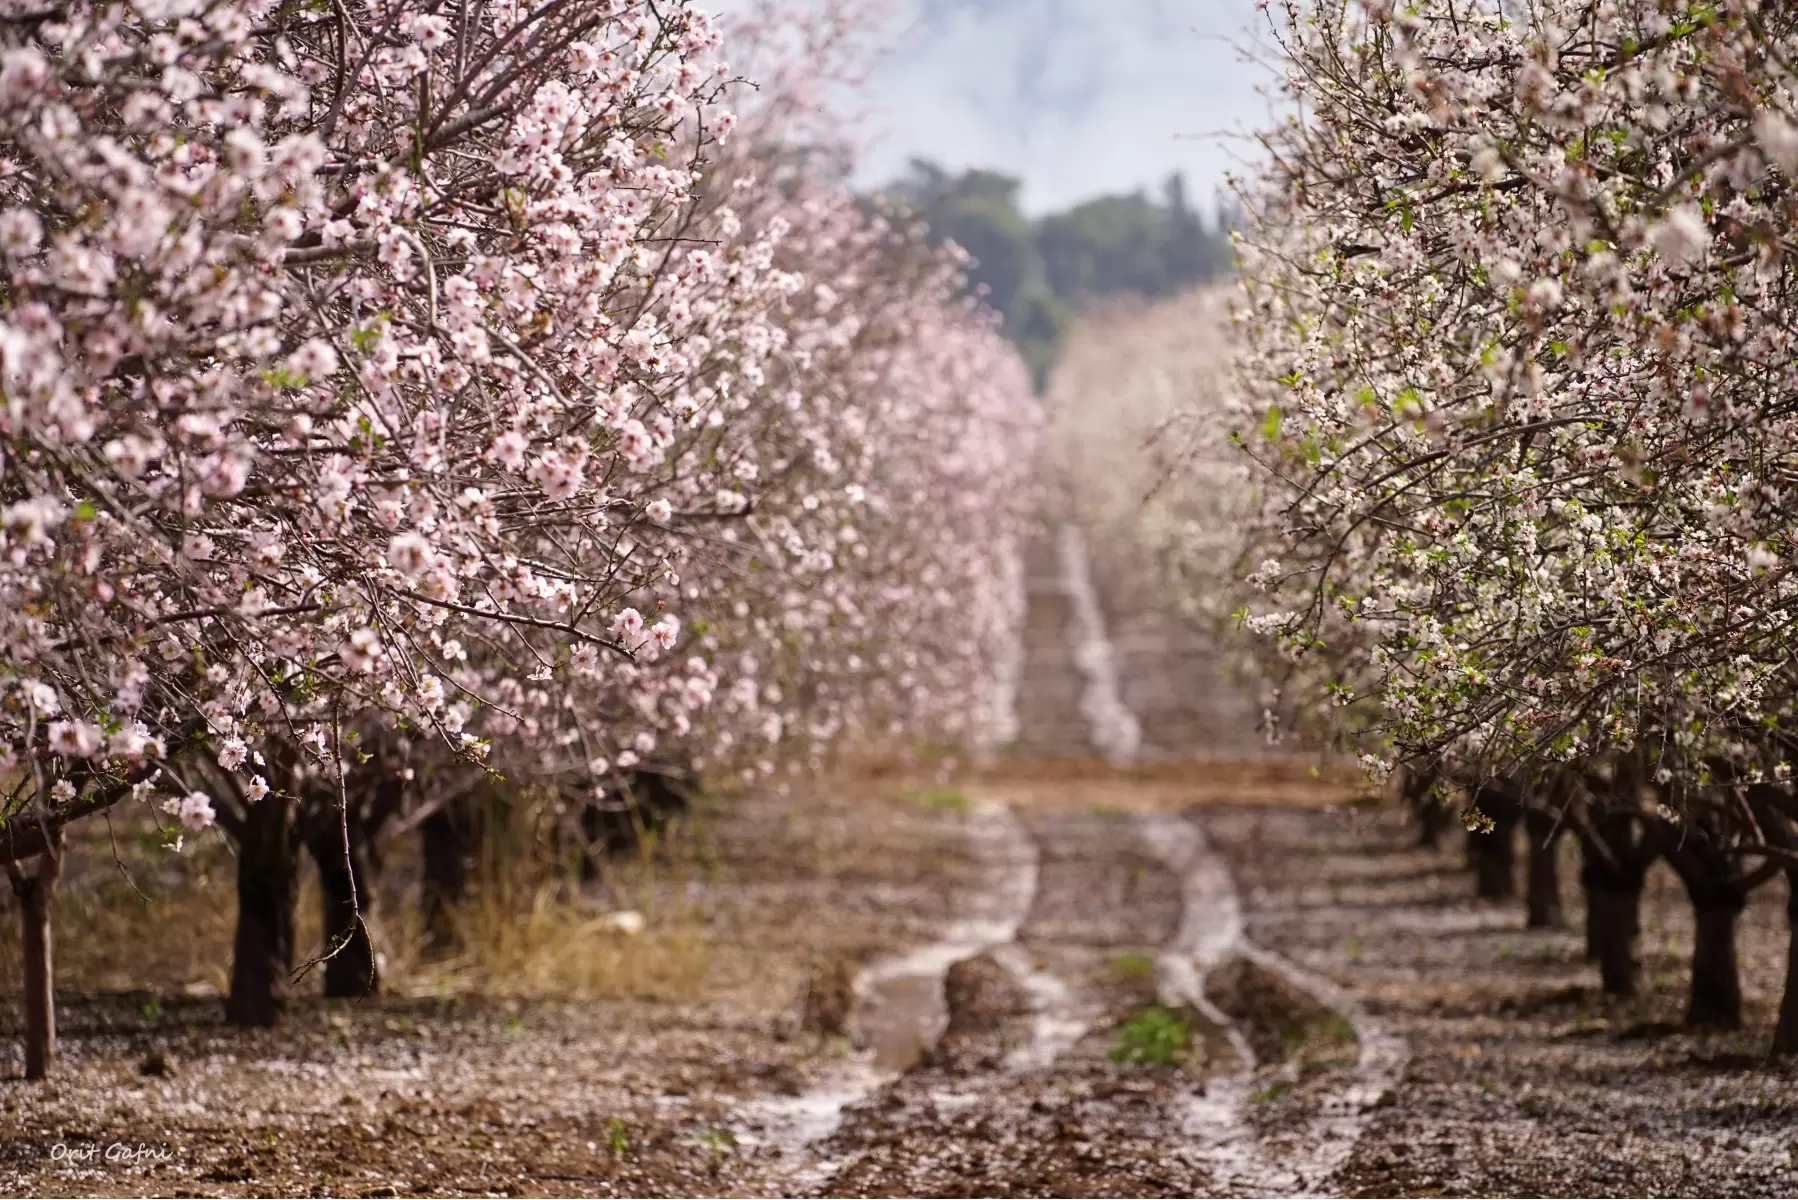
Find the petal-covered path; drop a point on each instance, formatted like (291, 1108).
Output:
(993, 1059)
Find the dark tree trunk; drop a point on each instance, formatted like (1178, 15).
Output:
(267, 884)
(1494, 852)
(346, 896)
(1775, 810)
(1785, 1035)
(1718, 893)
(1426, 807)
(1495, 866)
(1716, 1001)
(34, 893)
(1613, 919)
(445, 845)
(1544, 894)
(1615, 857)
(1432, 819)
(40, 976)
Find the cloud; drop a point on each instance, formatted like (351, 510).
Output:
(1076, 97)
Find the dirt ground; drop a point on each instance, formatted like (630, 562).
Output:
(1518, 1078)
(1043, 975)
(445, 1090)
(1522, 1079)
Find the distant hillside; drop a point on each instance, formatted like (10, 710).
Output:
(1040, 272)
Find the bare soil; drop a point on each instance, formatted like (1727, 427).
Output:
(1522, 1079)
(448, 1088)
(1048, 975)
(976, 1116)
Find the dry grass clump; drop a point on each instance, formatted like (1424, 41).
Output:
(133, 914)
(545, 947)
(530, 929)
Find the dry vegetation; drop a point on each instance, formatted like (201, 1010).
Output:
(135, 914)
(1042, 784)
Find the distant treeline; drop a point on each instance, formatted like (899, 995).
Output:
(1038, 273)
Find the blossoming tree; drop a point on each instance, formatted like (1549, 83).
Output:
(1521, 367)
(392, 372)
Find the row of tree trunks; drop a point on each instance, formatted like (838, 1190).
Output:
(272, 835)
(1492, 855)
(1619, 845)
(339, 835)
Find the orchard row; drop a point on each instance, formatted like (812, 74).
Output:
(456, 395)
(1520, 374)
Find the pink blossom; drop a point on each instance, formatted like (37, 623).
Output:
(628, 625)
(410, 554)
(74, 739)
(1681, 236)
(195, 811)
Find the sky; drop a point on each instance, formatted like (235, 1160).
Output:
(1075, 97)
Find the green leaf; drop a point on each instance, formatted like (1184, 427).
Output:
(1270, 424)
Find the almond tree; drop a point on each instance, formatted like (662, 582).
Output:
(390, 373)
(1518, 306)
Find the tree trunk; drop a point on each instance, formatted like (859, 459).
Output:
(40, 976)
(1494, 866)
(1594, 934)
(1544, 895)
(1432, 819)
(34, 893)
(1494, 853)
(1718, 893)
(1615, 856)
(1716, 1001)
(1612, 923)
(1427, 810)
(267, 886)
(1785, 1035)
(345, 897)
(445, 845)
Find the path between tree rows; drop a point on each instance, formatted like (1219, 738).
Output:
(1357, 1025)
(993, 1069)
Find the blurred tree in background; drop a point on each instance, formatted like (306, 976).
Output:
(1039, 273)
